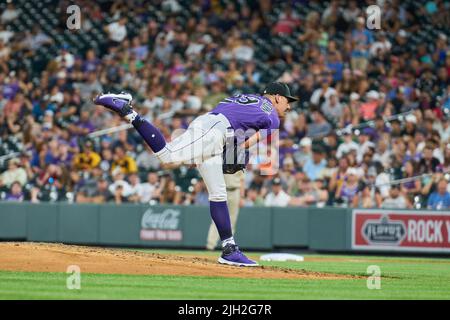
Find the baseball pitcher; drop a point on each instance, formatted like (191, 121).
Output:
(204, 142)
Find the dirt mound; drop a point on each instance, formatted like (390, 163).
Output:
(49, 257)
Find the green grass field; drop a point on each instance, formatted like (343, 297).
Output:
(401, 278)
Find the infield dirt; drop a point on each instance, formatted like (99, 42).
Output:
(51, 257)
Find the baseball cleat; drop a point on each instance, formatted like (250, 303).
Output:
(231, 255)
(119, 103)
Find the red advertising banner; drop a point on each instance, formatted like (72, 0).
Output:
(401, 230)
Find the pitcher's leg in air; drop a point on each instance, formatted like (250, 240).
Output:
(203, 140)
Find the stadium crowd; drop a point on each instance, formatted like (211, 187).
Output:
(374, 104)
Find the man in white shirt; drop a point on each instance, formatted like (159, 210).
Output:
(5, 35)
(324, 91)
(9, 14)
(153, 101)
(244, 51)
(332, 108)
(65, 59)
(163, 50)
(277, 197)
(304, 154)
(147, 189)
(119, 180)
(14, 173)
(382, 44)
(195, 47)
(395, 199)
(443, 128)
(364, 143)
(117, 31)
(382, 154)
(36, 39)
(347, 145)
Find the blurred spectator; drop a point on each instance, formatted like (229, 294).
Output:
(147, 190)
(9, 14)
(36, 39)
(120, 188)
(304, 153)
(369, 108)
(170, 192)
(333, 108)
(163, 50)
(365, 139)
(395, 200)
(320, 126)
(119, 194)
(88, 159)
(65, 59)
(136, 188)
(122, 161)
(428, 163)
(313, 166)
(310, 193)
(146, 160)
(439, 199)
(348, 189)
(347, 145)
(98, 194)
(337, 178)
(15, 173)
(252, 198)
(277, 197)
(361, 40)
(15, 194)
(244, 51)
(117, 31)
(352, 12)
(200, 194)
(324, 92)
(367, 197)
(89, 86)
(287, 21)
(411, 188)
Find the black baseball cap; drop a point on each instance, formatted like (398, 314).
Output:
(280, 88)
(318, 148)
(276, 182)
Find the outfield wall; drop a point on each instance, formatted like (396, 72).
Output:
(318, 229)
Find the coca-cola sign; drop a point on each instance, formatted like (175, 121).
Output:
(163, 225)
(166, 220)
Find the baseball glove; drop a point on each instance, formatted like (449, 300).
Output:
(234, 157)
(232, 168)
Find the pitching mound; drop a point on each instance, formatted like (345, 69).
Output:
(46, 257)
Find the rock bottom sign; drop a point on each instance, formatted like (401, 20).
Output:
(162, 226)
(408, 230)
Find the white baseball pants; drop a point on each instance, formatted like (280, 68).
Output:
(202, 144)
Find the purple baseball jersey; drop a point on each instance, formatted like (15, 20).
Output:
(249, 111)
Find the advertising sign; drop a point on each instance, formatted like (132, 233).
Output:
(163, 226)
(405, 230)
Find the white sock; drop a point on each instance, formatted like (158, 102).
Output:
(227, 241)
(131, 116)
